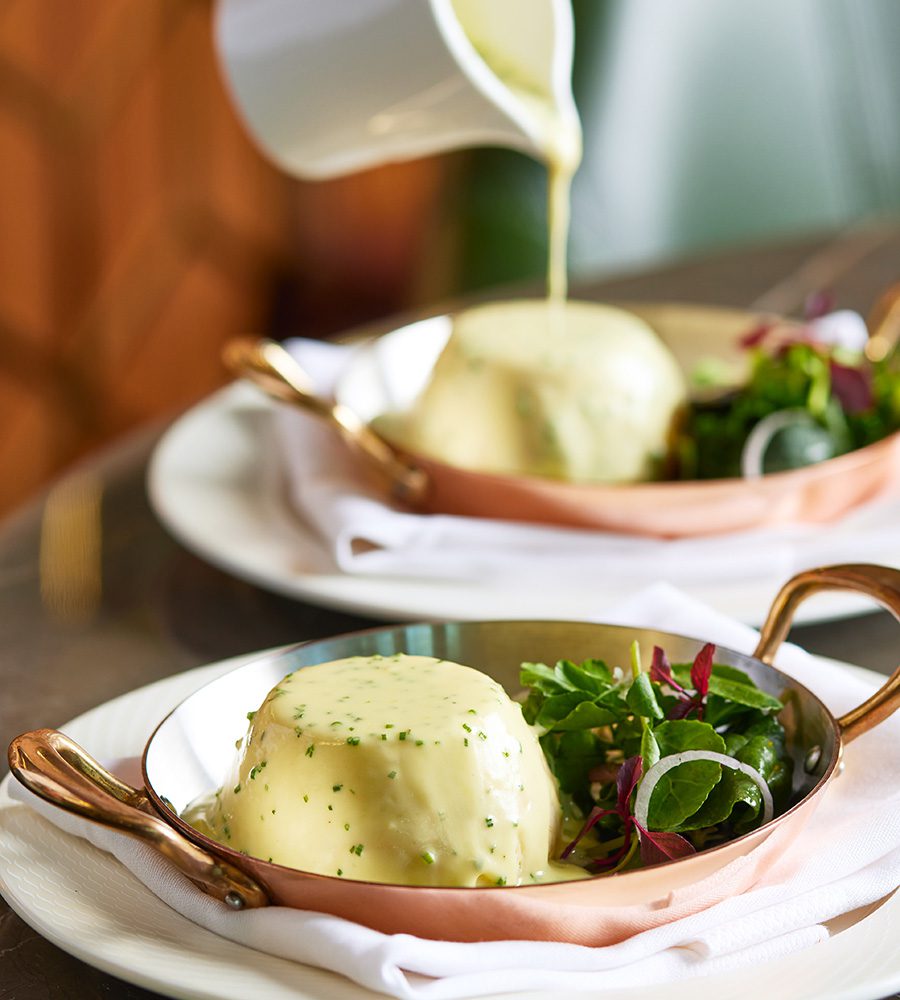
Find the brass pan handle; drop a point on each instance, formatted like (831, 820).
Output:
(58, 770)
(879, 582)
(268, 365)
(884, 324)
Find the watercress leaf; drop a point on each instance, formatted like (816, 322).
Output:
(722, 712)
(730, 673)
(722, 682)
(734, 742)
(763, 724)
(531, 707)
(649, 749)
(571, 756)
(557, 706)
(762, 753)
(674, 736)
(584, 714)
(680, 792)
(614, 701)
(599, 669)
(577, 678)
(733, 788)
(540, 677)
(743, 694)
(641, 698)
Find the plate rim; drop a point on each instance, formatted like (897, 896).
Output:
(170, 491)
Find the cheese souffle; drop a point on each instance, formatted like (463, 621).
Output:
(576, 391)
(403, 769)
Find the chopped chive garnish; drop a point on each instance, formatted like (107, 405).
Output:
(427, 857)
(237, 788)
(353, 741)
(310, 750)
(468, 729)
(488, 820)
(250, 716)
(392, 774)
(336, 788)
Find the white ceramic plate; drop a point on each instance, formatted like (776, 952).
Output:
(85, 902)
(215, 481)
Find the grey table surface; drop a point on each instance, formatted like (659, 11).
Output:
(163, 611)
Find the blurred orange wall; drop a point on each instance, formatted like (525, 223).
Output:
(141, 229)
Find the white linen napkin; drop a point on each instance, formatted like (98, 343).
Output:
(855, 861)
(367, 534)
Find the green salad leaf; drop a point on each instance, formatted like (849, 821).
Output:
(838, 400)
(596, 721)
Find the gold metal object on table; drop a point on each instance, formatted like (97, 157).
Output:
(273, 369)
(879, 582)
(884, 325)
(58, 770)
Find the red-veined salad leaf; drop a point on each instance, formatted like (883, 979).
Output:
(603, 729)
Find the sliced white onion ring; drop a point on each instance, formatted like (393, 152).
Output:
(664, 764)
(761, 436)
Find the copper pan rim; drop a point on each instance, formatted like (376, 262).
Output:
(386, 372)
(595, 910)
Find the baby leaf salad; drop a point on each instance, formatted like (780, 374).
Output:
(808, 398)
(659, 763)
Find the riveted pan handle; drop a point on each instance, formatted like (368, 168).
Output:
(58, 770)
(267, 364)
(879, 582)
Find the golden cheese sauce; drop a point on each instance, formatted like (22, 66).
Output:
(401, 769)
(524, 62)
(595, 401)
(568, 390)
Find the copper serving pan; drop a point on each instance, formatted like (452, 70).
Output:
(386, 375)
(189, 752)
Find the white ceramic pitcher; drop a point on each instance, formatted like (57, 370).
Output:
(327, 87)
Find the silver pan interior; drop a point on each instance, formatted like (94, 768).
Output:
(191, 749)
